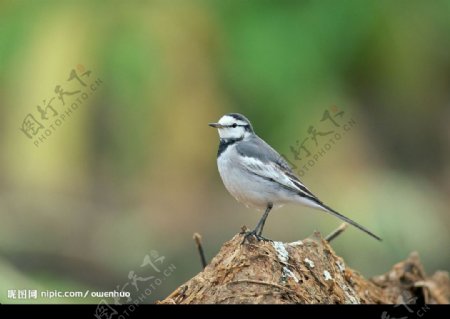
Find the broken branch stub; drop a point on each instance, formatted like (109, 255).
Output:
(305, 271)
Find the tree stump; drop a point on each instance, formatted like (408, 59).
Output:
(307, 272)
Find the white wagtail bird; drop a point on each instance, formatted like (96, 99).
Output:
(257, 176)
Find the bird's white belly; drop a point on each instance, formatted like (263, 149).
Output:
(245, 187)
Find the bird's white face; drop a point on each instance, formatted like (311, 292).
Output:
(232, 128)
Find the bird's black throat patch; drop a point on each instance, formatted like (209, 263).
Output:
(224, 143)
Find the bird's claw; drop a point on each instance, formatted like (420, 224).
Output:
(254, 234)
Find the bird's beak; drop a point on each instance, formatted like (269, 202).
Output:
(216, 125)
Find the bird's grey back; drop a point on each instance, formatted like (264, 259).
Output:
(256, 147)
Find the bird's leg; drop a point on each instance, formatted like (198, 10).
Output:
(262, 221)
(259, 227)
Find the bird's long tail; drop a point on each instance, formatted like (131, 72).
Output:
(348, 220)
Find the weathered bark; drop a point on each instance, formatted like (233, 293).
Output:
(305, 271)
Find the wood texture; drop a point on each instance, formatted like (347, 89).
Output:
(306, 271)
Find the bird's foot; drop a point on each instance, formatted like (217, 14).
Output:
(254, 234)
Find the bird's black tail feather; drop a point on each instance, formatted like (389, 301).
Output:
(348, 220)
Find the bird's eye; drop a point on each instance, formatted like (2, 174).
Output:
(234, 125)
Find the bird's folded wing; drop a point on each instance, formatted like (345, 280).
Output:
(273, 172)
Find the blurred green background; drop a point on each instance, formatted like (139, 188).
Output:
(131, 171)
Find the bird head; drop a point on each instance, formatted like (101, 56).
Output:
(233, 126)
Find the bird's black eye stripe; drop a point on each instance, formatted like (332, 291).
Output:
(234, 125)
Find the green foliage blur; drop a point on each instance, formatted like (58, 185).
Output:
(130, 173)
